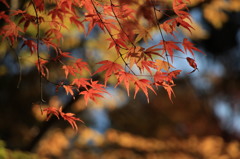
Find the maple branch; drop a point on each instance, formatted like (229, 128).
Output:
(120, 25)
(121, 55)
(38, 54)
(160, 30)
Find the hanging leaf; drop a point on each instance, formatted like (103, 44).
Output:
(143, 84)
(69, 117)
(110, 68)
(192, 63)
(126, 78)
(188, 46)
(169, 47)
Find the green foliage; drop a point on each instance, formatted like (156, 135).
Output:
(10, 154)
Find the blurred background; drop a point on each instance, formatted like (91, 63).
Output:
(203, 121)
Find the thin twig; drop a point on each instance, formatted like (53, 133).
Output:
(38, 54)
(121, 55)
(160, 30)
(120, 25)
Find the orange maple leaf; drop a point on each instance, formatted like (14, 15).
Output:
(110, 68)
(94, 19)
(169, 46)
(69, 89)
(42, 68)
(66, 116)
(180, 22)
(69, 117)
(179, 6)
(169, 90)
(143, 84)
(152, 51)
(126, 78)
(96, 91)
(65, 54)
(81, 65)
(31, 45)
(81, 82)
(169, 26)
(188, 46)
(69, 70)
(163, 65)
(91, 94)
(74, 19)
(142, 33)
(174, 73)
(160, 77)
(51, 111)
(147, 65)
(10, 31)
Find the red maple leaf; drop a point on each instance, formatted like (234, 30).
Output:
(48, 42)
(110, 68)
(169, 90)
(69, 70)
(126, 78)
(180, 22)
(169, 26)
(174, 73)
(147, 65)
(94, 19)
(170, 46)
(54, 33)
(74, 19)
(160, 77)
(98, 86)
(69, 89)
(65, 54)
(152, 51)
(11, 31)
(117, 42)
(163, 77)
(91, 94)
(31, 44)
(81, 82)
(192, 63)
(66, 116)
(81, 65)
(179, 6)
(143, 84)
(57, 12)
(42, 68)
(188, 46)
(51, 111)
(95, 91)
(69, 117)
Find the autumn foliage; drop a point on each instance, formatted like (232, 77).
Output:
(128, 24)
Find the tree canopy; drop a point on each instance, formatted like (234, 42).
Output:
(69, 54)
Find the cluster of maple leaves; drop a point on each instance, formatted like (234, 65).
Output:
(116, 18)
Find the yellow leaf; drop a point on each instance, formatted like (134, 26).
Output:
(163, 65)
